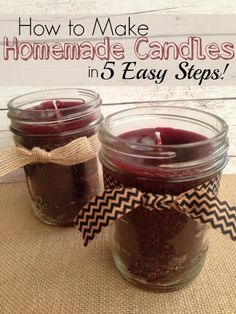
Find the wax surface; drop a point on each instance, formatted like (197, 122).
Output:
(57, 104)
(55, 116)
(169, 136)
(154, 140)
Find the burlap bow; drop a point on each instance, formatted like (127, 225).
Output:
(76, 152)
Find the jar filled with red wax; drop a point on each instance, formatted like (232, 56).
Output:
(161, 150)
(50, 119)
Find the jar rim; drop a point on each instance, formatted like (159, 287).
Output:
(105, 135)
(22, 111)
(14, 105)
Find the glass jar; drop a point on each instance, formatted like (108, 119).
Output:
(161, 150)
(49, 119)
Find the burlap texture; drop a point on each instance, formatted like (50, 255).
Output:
(78, 151)
(46, 269)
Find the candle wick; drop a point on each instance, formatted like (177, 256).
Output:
(58, 114)
(54, 102)
(158, 138)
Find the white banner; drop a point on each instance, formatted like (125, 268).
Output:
(118, 50)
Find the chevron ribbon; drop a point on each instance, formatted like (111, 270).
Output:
(200, 203)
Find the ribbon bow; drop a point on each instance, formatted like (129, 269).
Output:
(200, 203)
(80, 150)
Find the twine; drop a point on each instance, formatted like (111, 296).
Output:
(78, 151)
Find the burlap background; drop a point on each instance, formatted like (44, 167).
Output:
(46, 269)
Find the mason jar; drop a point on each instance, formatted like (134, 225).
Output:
(161, 150)
(49, 119)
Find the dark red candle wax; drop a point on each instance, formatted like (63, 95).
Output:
(168, 136)
(55, 116)
(151, 140)
(57, 191)
(158, 247)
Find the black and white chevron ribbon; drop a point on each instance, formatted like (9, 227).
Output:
(200, 203)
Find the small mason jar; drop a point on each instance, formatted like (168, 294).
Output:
(49, 119)
(161, 150)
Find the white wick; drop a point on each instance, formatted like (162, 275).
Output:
(58, 115)
(158, 138)
(54, 102)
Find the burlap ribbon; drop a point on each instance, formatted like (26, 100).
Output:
(76, 152)
(200, 203)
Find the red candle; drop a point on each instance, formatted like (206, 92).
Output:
(50, 119)
(161, 249)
